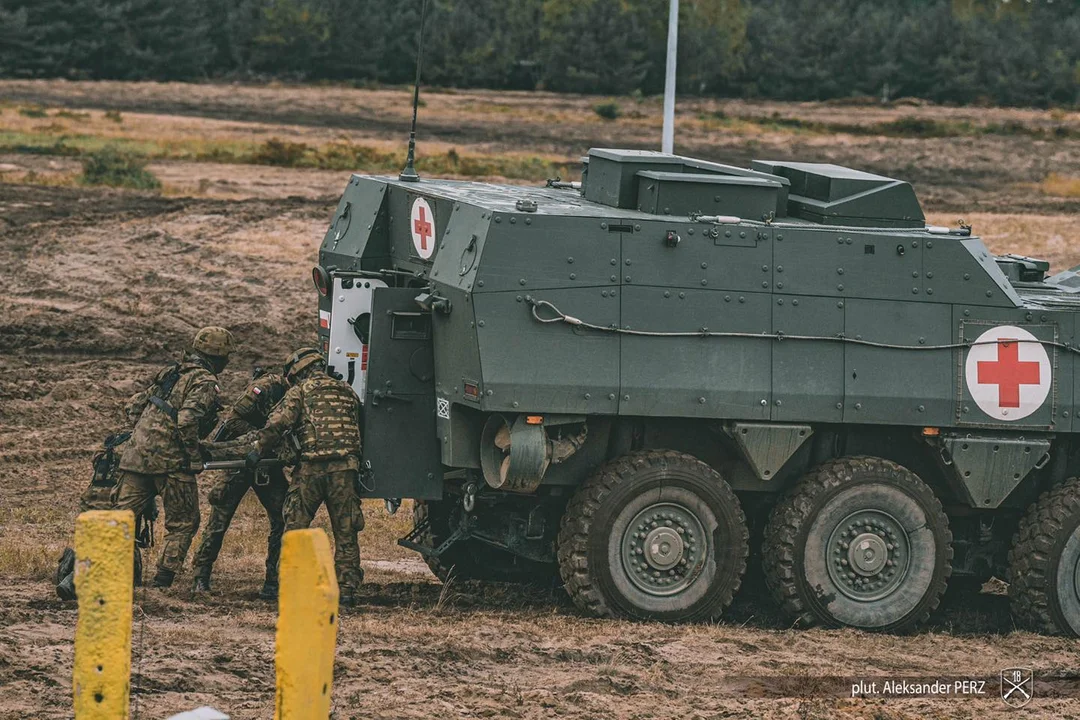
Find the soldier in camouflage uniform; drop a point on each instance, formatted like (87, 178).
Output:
(248, 413)
(163, 455)
(98, 496)
(322, 414)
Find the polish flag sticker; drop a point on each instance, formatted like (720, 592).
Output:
(1008, 373)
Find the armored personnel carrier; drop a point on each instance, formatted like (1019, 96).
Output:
(639, 378)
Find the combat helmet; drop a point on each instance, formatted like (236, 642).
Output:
(213, 341)
(300, 360)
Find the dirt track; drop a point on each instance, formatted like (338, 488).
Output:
(99, 287)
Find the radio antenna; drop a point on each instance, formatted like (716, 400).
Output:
(408, 174)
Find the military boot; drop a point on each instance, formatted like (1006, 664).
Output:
(202, 583)
(66, 587)
(163, 578)
(269, 590)
(65, 575)
(347, 598)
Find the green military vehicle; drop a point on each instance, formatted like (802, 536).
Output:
(640, 377)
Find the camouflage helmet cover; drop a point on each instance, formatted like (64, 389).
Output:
(301, 359)
(213, 341)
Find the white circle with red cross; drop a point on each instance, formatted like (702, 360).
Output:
(422, 226)
(1008, 373)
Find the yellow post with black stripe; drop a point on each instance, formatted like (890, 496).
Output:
(104, 547)
(307, 626)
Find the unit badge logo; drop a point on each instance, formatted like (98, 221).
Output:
(1008, 373)
(1017, 686)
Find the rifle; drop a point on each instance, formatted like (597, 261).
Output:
(266, 463)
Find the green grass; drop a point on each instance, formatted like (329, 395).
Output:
(118, 167)
(339, 155)
(33, 111)
(608, 110)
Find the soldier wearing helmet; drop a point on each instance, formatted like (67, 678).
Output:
(322, 414)
(248, 413)
(163, 455)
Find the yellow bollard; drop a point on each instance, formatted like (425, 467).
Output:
(104, 547)
(307, 626)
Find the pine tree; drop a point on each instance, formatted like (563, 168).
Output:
(162, 40)
(293, 37)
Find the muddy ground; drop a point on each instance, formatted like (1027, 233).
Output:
(99, 287)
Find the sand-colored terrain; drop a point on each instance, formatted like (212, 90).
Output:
(98, 287)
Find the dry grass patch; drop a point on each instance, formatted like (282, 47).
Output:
(1048, 237)
(1061, 185)
(26, 560)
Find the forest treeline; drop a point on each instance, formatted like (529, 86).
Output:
(1010, 52)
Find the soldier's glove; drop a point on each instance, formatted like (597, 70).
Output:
(251, 460)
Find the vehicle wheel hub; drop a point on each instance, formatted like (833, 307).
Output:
(664, 549)
(868, 555)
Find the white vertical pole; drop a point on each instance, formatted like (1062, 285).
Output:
(667, 143)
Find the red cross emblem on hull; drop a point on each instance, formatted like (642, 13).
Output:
(1008, 373)
(422, 228)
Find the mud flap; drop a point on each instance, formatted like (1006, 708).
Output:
(399, 402)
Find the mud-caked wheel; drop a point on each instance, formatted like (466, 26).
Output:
(471, 559)
(859, 542)
(1044, 563)
(655, 534)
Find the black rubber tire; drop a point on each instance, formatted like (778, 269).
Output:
(805, 590)
(602, 588)
(1043, 589)
(472, 559)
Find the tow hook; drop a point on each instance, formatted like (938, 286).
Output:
(468, 499)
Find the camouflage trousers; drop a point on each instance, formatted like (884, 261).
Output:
(96, 497)
(225, 497)
(311, 487)
(180, 498)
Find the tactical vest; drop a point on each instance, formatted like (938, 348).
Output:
(254, 406)
(328, 429)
